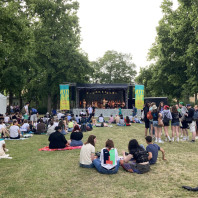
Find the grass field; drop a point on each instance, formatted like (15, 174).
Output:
(39, 174)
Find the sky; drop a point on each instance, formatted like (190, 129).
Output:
(127, 26)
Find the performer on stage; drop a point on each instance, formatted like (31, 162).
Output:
(84, 103)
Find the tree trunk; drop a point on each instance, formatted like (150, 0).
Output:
(195, 98)
(10, 98)
(49, 103)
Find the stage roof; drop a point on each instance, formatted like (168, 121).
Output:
(102, 86)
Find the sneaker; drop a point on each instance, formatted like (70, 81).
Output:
(166, 139)
(177, 140)
(187, 138)
(181, 136)
(173, 139)
(192, 141)
(196, 138)
(160, 141)
(155, 139)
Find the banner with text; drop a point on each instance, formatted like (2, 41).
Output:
(64, 97)
(139, 96)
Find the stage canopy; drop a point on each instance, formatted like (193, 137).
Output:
(98, 92)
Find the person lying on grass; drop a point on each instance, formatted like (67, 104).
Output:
(109, 160)
(87, 153)
(137, 159)
(57, 140)
(152, 150)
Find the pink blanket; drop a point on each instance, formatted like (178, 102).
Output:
(46, 148)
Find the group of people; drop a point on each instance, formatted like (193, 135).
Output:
(138, 160)
(181, 118)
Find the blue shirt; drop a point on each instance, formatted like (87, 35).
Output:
(153, 148)
(68, 117)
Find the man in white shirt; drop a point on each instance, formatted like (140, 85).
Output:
(15, 131)
(59, 115)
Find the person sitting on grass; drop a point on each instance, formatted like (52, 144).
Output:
(121, 121)
(76, 137)
(152, 150)
(70, 126)
(3, 130)
(15, 131)
(127, 121)
(57, 140)
(40, 128)
(3, 150)
(137, 159)
(101, 118)
(87, 153)
(25, 127)
(109, 161)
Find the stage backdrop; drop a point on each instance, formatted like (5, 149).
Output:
(139, 96)
(64, 97)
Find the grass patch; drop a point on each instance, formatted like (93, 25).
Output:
(33, 173)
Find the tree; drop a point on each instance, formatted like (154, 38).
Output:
(114, 67)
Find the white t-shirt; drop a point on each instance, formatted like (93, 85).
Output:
(26, 110)
(25, 127)
(14, 131)
(59, 115)
(85, 153)
(6, 119)
(109, 158)
(101, 119)
(2, 126)
(90, 110)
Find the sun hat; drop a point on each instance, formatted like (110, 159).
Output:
(154, 107)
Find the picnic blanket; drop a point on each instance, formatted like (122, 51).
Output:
(46, 148)
(16, 139)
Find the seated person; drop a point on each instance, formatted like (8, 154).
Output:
(6, 118)
(3, 130)
(121, 121)
(62, 124)
(101, 118)
(127, 121)
(40, 128)
(117, 119)
(3, 150)
(137, 159)
(109, 161)
(111, 119)
(51, 128)
(70, 126)
(15, 131)
(57, 140)
(77, 118)
(25, 127)
(87, 153)
(152, 150)
(76, 137)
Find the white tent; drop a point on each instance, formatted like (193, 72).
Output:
(3, 104)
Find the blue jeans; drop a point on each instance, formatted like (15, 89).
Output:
(76, 143)
(87, 166)
(100, 169)
(70, 129)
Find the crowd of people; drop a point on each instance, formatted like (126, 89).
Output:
(180, 116)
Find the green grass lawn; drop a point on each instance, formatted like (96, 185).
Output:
(33, 173)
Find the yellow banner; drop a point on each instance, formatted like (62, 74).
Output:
(64, 97)
(139, 96)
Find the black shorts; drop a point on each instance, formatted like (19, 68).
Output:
(166, 123)
(184, 125)
(146, 121)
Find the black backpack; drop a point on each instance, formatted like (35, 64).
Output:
(141, 156)
(165, 119)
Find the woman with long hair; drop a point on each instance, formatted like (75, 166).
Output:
(87, 153)
(175, 123)
(76, 137)
(109, 161)
(137, 159)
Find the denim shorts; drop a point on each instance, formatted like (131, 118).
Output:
(155, 123)
(175, 124)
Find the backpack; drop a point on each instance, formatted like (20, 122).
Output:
(141, 156)
(149, 115)
(83, 128)
(34, 110)
(23, 110)
(165, 119)
(195, 116)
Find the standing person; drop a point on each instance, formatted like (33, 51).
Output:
(146, 120)
(15, 131)
(183, 113)
(87, 153)
(161, 107)
(151, 121)
(166, 115)
(25, 111)
(156, 125)
(137, 159)
(179, 111)
(175, 123)
(34, 114)
(195, 117)
(191, 121)
(152, 150)
(57, 140)
(94, 109)
(109, 162)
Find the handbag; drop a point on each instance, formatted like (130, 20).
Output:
(160, 122)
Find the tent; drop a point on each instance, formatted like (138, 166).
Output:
(3, 104)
